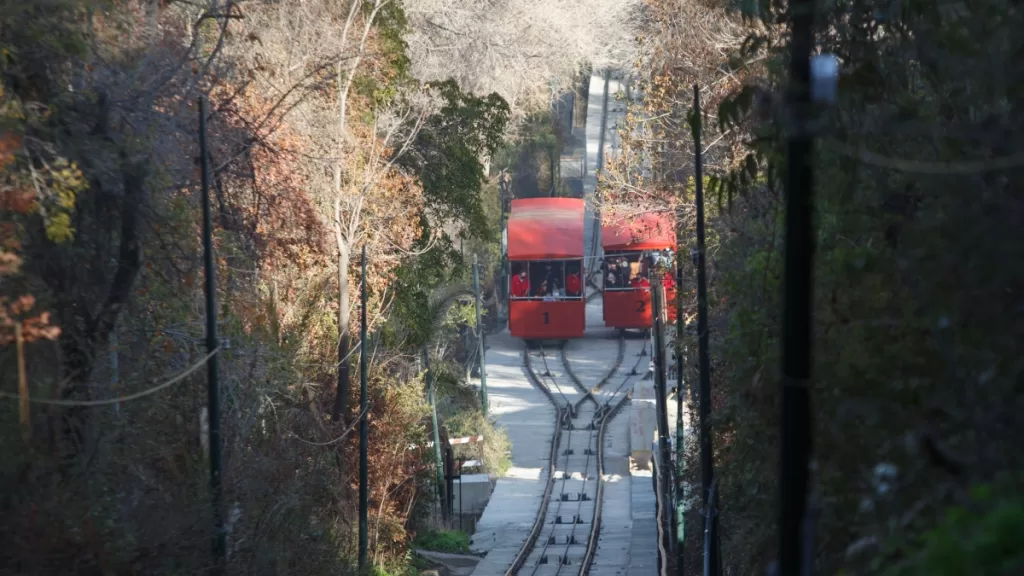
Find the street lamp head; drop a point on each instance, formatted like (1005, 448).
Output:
(824, 78)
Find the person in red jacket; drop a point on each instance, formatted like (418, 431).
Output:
(667, 280)
(520, 285)
(641, 281)
(572, 283)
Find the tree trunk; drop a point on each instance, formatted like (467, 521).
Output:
(77, 371)
(344, 343)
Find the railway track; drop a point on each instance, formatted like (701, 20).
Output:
(565, 533)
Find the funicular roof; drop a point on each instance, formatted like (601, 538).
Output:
(648, 231)
(545, 229)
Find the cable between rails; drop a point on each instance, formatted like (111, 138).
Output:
(547, 374)
(579, 504)
(589, 394)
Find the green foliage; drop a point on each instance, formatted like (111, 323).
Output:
(448, 151)
(496, 445)
(911, 288)
(533, 158)
(449, 541)
(39, 40)
(447, 157)
(66, 182)
(417, 279)
(424, 309)
(462, 314)
(418, 563)
(393, 67)
(40, 31)
(985, 537)
(377, 570)
(392, 24)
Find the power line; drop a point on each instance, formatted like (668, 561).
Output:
(188, 372)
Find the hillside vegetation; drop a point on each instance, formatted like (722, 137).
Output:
(332, 128)
(917, 379)
(335, 127)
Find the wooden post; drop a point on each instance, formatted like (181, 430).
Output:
(24, 415)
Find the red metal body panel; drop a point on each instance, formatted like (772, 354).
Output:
(540, 320)
(633, 309)
(651, 231)
(670, 301)
(545, 229)
(627, 308)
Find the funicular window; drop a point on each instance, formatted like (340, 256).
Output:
(633, 270)
(548, 280)
(661, 260)
(573, 279)
(622, 270)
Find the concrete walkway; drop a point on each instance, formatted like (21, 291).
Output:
(596, 110)
(529, 419)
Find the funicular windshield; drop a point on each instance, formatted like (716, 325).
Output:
(548, 280)
(634, 269)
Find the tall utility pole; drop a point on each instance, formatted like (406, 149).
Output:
(432, 400)
(680, 367)
(680, 428)
(480, 337)
(363, 432)
(213, 385)
(707, 465)
(661, 389)
(680, 471)
(797, 297)
(505, 195)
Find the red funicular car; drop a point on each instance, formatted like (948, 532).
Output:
(545, 253)
(638, 250)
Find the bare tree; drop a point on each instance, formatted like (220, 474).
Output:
(521, 49)
(686, 43)
(311, 54)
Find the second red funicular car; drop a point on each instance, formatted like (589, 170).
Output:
(545, 253)
(638, 250)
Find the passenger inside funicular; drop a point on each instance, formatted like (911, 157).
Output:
(548, 280)
(551, 283)
(640, 281)
(520, 284)
(621, 269)
(632, 270)
(573, 283)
